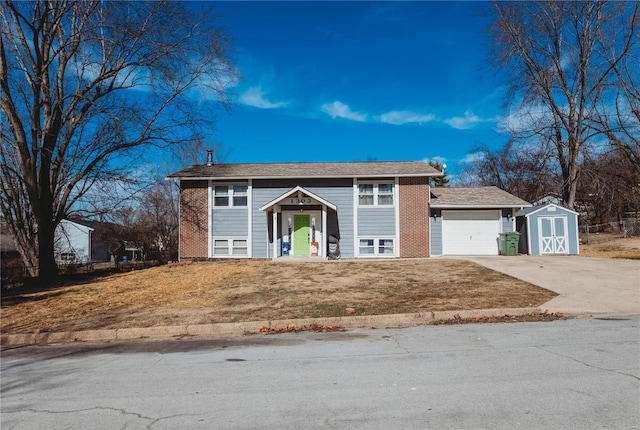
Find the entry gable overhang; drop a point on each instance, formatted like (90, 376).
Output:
(297, 191)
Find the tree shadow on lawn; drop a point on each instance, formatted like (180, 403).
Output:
(31, 288)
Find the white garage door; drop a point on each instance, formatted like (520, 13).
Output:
(470, 232)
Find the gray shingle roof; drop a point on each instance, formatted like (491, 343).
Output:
(529, 211)
(478, 197)
(307, 170)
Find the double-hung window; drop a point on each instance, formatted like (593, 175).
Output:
(375, 194)
(373, 247)
(230, 195)
(229, 247)
(239, 195)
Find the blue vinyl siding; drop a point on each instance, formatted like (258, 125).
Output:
(435, 232)
(376, 222)
(230, 222)
(261, 239)
(507, 224)
(340, 223)
(534, 235)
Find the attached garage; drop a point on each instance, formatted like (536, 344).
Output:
(470, 232)
(468, 221)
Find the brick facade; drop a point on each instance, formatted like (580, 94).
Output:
(194, 205)
(414, 217)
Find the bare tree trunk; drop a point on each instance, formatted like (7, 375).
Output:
(47, 267)
(88, 88)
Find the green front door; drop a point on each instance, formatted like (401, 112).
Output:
(301, 235)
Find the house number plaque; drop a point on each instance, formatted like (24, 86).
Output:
(302, 201)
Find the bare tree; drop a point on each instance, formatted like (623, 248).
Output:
(562, 59)
(159, 212)
(526, 173)
(88, 88)
(619, 116)
(612, 189)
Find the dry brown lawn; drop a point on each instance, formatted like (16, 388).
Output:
(607, 245)
(234, 291)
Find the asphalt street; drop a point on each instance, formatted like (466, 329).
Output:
(574, 374)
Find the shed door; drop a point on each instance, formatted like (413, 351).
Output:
(553, 235)
(470, 232)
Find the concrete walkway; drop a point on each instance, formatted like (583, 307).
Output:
(585, 285)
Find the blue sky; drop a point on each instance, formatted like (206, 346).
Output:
(354, 81)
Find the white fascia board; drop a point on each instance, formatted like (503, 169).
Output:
(293, 191)
(547, 206)
(81, 227)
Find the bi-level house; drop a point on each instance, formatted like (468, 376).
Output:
(355, 209)
(322, 210)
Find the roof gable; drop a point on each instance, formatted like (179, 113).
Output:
(78, 225)
(532, 210)
(299, 191)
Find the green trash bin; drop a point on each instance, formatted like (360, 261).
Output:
(511, 241)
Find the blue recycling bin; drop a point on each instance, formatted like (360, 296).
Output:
(285, 248)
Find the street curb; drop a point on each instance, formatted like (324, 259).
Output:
(252, 327)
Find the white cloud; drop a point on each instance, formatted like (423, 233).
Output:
(469, 120)
(340, 110)
(254, 96)
(406, 117)
(524, 118)
(472, 158)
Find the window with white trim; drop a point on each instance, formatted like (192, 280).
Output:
(230, 247)
(371, 247)
(230, 195)
(375, 194)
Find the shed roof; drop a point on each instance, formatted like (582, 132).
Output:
(474, 197)
(530, 211)
(370, 169)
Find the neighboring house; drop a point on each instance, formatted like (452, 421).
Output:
(109, 242)
(12, 269)
(468, 221)
(72, 242)
(584, 208)
(359, 209)
(547, 198)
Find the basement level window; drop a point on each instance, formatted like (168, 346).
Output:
(373, 247)
(230, 248)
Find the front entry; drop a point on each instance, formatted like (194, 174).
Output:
(301, 234)
(553, 235)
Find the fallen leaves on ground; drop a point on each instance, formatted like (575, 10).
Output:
(531, 317)
(315, 327)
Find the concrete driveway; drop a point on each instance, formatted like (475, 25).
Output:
(585, 285)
